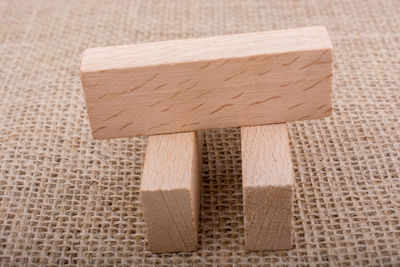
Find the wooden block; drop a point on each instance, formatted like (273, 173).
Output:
(267, 187)
(215, 82)
(170, 191)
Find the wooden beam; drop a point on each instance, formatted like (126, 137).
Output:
(215, 82)
(267, 187)
(170, 191)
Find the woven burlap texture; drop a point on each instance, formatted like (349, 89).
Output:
(66, 199)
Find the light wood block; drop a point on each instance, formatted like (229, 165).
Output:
(170, 191)
(215, 82)
(267, 187)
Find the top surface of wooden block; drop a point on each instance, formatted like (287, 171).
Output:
(215, 82)
(205, 49)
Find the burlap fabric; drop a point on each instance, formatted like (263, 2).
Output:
(66, 199)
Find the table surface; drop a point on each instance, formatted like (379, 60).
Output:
(66, 199)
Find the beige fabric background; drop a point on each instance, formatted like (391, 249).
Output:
(66, 199)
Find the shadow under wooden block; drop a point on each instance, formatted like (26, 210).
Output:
(267, 187)
(170, 191)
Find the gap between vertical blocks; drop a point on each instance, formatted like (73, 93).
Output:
(267, 187)
(170, 191)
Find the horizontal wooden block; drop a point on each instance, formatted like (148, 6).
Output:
(170, 191)
(215, 82)
(267, 187)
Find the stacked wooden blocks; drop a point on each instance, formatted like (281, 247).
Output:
(173, 90)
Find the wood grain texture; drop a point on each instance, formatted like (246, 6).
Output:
(215, 82)
(170, 191)
(267, 187)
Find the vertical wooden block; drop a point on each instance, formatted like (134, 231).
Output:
(267, 187)
(170, 191)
